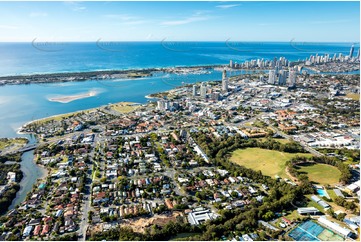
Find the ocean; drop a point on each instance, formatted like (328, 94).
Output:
(22, 103)
(50, 57)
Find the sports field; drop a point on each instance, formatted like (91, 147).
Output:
(124, 107)
(320, 173)
(270, 162)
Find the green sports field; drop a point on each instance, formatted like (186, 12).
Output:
(320, 173)
(270, 162)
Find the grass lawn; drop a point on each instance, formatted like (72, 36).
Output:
(320, 173)
(293, 216)
(312, 203)
(124, 107)
(270, 162)
(354, 96)
(332, 194)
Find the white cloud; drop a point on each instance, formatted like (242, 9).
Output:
(226, 6)
(136, 22)
(149, 36)
(8, 27)
(38, 14)
(75, 6)
(124, 17)
(188, 20)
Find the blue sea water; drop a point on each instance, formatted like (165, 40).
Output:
(22, 103)
(48, 57)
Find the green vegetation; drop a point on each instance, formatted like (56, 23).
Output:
(4, 169)
(332, 194)
(352, 156)
(270, 162)
(350, 205)
(7, 197)
(183, 236)
(239, 220)
(282, 141)
(294, 163)
(320, 173)
(294, 216)
(9, 194)
(5, 142)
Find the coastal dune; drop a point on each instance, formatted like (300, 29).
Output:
(70, 98)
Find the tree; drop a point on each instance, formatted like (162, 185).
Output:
(268, 215)
(341, 216)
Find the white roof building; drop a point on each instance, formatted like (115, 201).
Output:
(334, 226)
(200, 215)
(308, 210)
(27, 231)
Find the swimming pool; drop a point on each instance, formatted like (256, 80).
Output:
(322, 192)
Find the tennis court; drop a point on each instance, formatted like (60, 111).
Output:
(311, 231)
(327, 235)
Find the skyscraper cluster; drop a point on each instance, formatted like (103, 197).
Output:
(282, 77)
(202, 90)
(261, 63)
(320, 59)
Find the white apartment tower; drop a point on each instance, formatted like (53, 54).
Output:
(292, 78)
(224, 81)
(194, 90)
(203, 90)
(271, 77)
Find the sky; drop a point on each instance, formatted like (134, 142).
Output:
(181, 21)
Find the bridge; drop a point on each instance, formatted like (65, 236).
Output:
(27, 148)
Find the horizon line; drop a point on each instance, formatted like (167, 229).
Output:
(165, 41)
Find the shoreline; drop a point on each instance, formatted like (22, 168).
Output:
(68, 114)
(112, 70)
(76, 76)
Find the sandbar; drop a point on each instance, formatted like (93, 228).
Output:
(67, 99)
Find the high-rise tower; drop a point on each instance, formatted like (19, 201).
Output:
(194, 90)
(271, 77)
(351, 51)
(224, 81)
(292, 78)
(203, 90)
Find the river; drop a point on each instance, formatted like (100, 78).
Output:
(31, 172)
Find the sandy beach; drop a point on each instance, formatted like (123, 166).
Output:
(67, 99)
